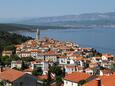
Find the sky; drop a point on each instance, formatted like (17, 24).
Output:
(44, 8)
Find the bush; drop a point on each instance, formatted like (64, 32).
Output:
(37, 71)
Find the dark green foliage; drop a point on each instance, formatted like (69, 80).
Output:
(81, 82)
(37, 71)
(28, 59)
(113, 66)
(63, 72)
(95, 53)
(15, 57)
(6, 60)
(24, 66)
(58, 72)
(59, 81)
(1, 83)
(49, 78)
(8, 40)
(45, 82)
(10, 47)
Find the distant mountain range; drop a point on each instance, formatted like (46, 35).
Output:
(82, 20)
(59, 22)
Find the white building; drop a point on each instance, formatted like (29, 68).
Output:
(42, 64)
(74, 78)
(16, 64)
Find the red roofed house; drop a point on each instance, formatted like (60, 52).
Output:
(107, 57)
(74, 78)
(13, 77)
(102, 81)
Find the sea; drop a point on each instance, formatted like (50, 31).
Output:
(102, 39)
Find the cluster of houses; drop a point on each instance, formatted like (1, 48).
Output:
(81, 64)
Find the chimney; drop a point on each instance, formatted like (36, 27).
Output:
(99, 82)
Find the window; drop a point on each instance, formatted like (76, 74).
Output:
(61, 60)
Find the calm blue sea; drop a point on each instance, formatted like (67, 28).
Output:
(102, 39)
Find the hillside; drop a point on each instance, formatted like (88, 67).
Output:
(29, 28)
(8, 40)
(15, 27)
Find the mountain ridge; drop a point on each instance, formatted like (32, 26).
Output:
(91, 17)
(81, 20)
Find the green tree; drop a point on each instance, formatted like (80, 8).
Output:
(112, 66)
(59, 81)
(15, 57)
(24, 66)
(49, 80)
(37, 71)
(1, 83)
(63, 72)
(9, 47)
(55, 69)
(28, 59)
(6, 60)
(8, 40)
(81, 82)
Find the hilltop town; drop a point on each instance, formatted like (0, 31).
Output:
(50, 62)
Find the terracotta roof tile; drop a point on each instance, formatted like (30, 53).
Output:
(76, 76)
(105, 81)
(11, 75)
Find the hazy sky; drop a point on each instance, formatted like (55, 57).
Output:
(41, 8)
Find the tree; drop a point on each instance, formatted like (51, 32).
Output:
(81, 82)
(49, 78)
(6, 60)
(15, 57)
(28, 59)
(37, 71)
(9, 47)
(63, 72)
(55, 69)
(24, 66)
(112, 66)
(8, 40)
(45, 82)
(59, 81)
(1, 83)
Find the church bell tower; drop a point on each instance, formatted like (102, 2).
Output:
(38, 34)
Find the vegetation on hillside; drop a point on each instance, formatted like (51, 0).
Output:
(9, 40)
(29, 28)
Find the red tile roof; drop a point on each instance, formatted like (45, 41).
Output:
(105, 81)
(76, 76)
(92, 83)
(11, 75)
